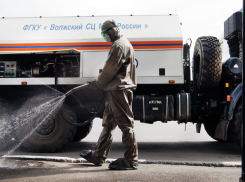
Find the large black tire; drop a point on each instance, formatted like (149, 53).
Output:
(49, 135)
(82, 132)
(208, 61)
(234, 129)
(210, 129)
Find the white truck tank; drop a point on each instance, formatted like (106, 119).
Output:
(157, 41)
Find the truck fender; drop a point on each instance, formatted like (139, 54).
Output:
(235, 96)
(222, 127)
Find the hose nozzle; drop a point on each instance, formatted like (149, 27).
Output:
(75, 89)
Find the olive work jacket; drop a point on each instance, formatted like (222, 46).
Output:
(118, 72)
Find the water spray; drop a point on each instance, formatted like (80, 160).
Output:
(88, 121)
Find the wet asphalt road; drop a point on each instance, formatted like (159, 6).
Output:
(26, 171)
(158, 142)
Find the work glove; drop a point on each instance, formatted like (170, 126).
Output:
(97, 87)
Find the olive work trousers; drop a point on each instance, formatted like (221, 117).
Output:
(118, 112)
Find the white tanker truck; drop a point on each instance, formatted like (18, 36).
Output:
(65, 52)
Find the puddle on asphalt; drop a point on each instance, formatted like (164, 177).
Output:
(17, 164)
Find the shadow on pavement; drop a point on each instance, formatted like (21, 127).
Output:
(209, 151)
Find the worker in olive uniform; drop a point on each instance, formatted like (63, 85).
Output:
(118, 79)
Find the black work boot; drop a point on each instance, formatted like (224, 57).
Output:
(89, 156)
(122, 164)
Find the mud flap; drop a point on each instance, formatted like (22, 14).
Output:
(221, 130)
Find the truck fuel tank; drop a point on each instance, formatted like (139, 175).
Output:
(182, 107)
(148, 109)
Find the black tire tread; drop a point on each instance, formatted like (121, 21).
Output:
(209, 50)
(82, 132)
(210, 129)
(69, 137)
(64, 135)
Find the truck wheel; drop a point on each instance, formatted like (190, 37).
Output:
(82, 132)
(52, 134)
(208, 62)
(234, 130)
(210, 129)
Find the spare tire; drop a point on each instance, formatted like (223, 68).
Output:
(207, 64)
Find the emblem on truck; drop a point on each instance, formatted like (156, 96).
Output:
(136, 63)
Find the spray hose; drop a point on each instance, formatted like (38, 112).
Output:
(90, 119)
(75, 89)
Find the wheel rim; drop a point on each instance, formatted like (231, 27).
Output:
(47, 129)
